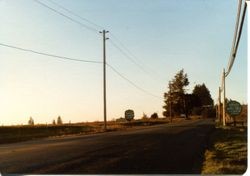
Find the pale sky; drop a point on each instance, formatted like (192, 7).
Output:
(163, 36)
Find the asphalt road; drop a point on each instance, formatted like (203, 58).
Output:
(162, 149)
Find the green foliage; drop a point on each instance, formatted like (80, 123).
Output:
(31, 121)
(144, 116)
(227, 153)
(175, 97)
(180, 102)
(154, 116)
(208, 113)
(53, 122)
(196, 111)
(202, 99)
(59, 120)
(202, 95)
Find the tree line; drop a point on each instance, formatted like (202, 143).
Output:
(54, 122)
(177, 102)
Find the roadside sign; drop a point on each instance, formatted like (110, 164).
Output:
(233, 108)
(129, 114)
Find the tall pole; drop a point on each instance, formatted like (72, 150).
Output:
(224, 97)
(104, 79)
(170, 103)
(219, 107)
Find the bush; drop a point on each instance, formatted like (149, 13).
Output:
(209, 113)
(144, 116)
(59, 120)
(31, 121)
(196, 111)
(154, 116)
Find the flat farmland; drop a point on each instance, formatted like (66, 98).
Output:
(11, 134)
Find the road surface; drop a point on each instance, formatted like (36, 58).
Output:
(162, 149)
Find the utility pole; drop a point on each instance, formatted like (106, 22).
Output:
(224, 97)
(104, 79)
(219, 108)
(170, 103)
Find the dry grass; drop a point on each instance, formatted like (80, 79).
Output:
(228, 153)
(10, 134)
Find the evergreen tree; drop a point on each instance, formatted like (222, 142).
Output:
(203, 96)
(53, 122)
(154, 116)
(176, 95)
(59, 120)
(31, 121)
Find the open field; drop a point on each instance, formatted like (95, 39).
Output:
(10, 134)
(228, 151)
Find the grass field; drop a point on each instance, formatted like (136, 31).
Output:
(228, 151)
(11, 134)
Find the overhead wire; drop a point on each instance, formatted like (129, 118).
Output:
(119, 41)
(130, 82)
(95, 30)
(231, 56)
(240, 29)
(128, 56)
(80, 60)
(237, 41)
(75, 14)
(143, 69)
(68, 17)
(50, 55)
(126, 52)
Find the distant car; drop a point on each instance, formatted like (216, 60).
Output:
(183, 115)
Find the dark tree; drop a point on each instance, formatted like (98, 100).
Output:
(202, 95)
(31, 121)
(144, 116)
(53, 122)
(203, 104)
(154, 116)
(175, 97)
(59, 120)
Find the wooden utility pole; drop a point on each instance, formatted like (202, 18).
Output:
(170, 103)
(219, 107)
(224, 97)
(104, 79)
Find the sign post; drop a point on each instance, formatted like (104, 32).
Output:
(129, 115)
(233, 108)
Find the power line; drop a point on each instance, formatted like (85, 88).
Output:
(132, 83)
(50, 55)
(75, 14)
(69, 18)
(237, 41)
(129, 52)
(133, 61)
(231, 57)
(240, 30)
(79, 60)
(129, 55)
(119, 41)
(116, 46)
(92, 29)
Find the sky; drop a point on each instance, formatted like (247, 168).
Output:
(161, 36)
